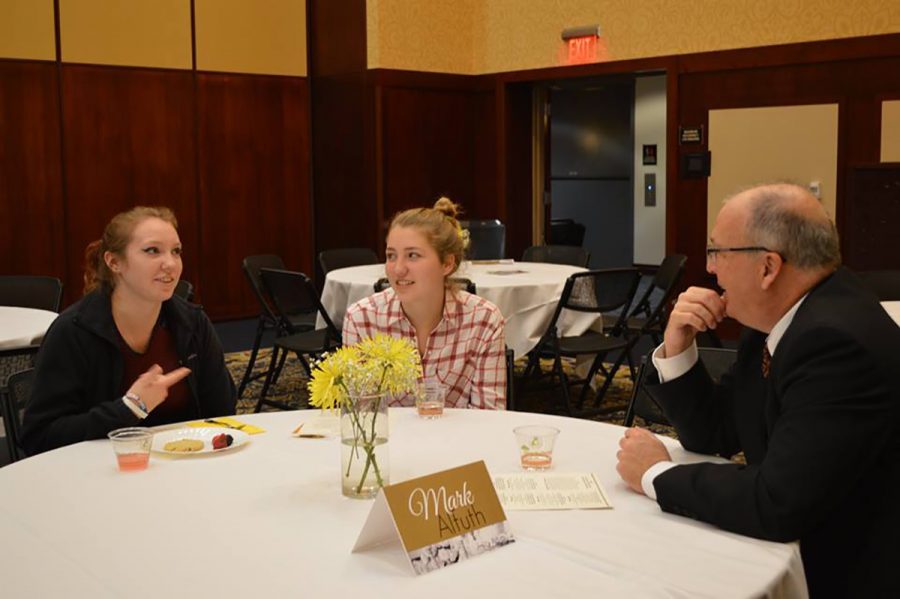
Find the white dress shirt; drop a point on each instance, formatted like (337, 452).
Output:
(676, 366)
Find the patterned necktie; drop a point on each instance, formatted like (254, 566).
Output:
(766, 361)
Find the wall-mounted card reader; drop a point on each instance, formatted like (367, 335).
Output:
(649, 189)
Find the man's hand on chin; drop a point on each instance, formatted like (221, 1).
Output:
(640, 449)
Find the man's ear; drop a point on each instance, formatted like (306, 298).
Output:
(771, 268)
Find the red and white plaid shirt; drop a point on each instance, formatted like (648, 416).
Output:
(466, 351)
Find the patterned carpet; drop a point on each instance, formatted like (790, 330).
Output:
(533, 395)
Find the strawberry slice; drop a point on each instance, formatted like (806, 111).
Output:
(222, 441)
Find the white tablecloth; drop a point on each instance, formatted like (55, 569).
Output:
(268, 520)
(893, 309)
(20, 327)
(526, 299)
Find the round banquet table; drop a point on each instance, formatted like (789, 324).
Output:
(20, 327)
(525, 292)
(268, 519)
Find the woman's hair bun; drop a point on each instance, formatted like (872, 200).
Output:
(447, 206)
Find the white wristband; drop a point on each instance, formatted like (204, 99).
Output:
(134, 407)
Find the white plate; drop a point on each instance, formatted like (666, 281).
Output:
(200, 434)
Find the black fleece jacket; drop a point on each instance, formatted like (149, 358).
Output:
(76, 394)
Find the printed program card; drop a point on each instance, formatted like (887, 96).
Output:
(441, 519)
(550, 491)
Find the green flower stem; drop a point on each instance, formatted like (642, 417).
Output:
(369, 447)
(367, 442)
(370, 450)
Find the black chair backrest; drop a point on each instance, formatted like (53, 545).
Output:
(885, 283)
(566, 231)
(24, 291)
(294, 296)
(599, 291)
(252, 265)
(487, 239)
(717, 362)
(15, 397)
(345, 257)
(665, 281)
(557, 254)
(184, 290)
(467, 284)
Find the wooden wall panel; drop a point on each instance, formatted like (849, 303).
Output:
(438, 137)
(32, 230)
(129, 140)
(428, 148)
(347, 207)
(516, 165)
(254, 182)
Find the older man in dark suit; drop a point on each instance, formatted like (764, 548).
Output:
(813, 399)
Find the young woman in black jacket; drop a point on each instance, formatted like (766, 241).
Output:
(129, 353)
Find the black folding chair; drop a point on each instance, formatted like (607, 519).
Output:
(467, 284)
(294, 295)
(595, 291)
(487, 239)
(650, 317)
(185, 290)
(13, 398)
(267, 321)
(343, 258)
(558, 254)
(565, 231)
(717, 362)
(23, 291)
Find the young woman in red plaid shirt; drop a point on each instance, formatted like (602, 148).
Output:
(459, 335)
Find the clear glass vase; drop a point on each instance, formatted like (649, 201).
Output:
(365, 466)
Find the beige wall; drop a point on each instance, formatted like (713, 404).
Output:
(756, 145)
(251, 36)
(424, 35)
(143, 33)
(240, 36)
(27, 30)
(488, 36)
(890, 131)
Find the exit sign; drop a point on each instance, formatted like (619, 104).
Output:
(582, 49)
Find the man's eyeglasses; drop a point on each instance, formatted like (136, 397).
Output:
(712, 251)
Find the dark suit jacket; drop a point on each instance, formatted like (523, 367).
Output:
(820, 435)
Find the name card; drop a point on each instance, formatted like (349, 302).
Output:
(441, 519)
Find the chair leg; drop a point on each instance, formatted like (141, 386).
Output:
(269, 375)
(596, 365)
(564, 383)
(609, 377)
(304, 363)
(257, 341)
(533, 362)
(281, 361)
